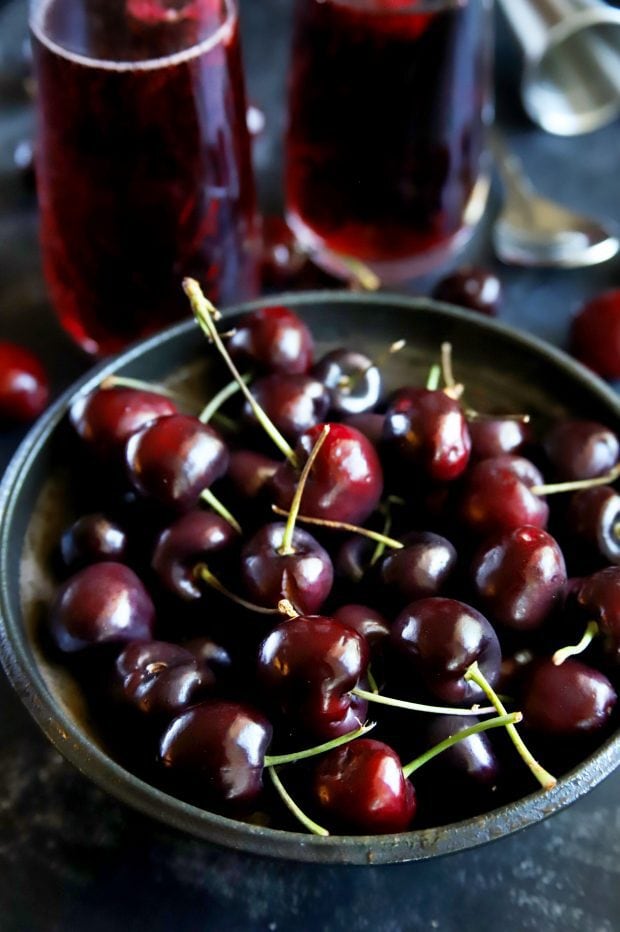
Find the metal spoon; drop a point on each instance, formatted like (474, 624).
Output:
(531, 230)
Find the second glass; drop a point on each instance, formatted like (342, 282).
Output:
(386, 150)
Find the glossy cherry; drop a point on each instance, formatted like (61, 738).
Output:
(294, 402)
(569, 699)
(593, 518)
(472, 287)
(353, 381)
(369, 424)
(250, 473)
(274, 338)
(428, 430)
(304, 576)
(307, 667)
(439, 639)
(24, 386)
(422, 568)
(173, 459)
(159, 679)
(519, 576)
(102, 604)
(216, 751)
(361, 786)
(368, 623)
(495, 436)
(599, 595)
(353, 558)
(91, 539)
(581, 449)
(497, 495)
(595, 334)
(346, 481)
(191, 539)
(472, 759)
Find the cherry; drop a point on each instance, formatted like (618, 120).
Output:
(599, 594)
(274, 338)
(175, 458)
(568, 699)
(519, 576)
(216, 751)
(160, 679)
(422, 568)
(593, 516)
(353, 558)
(294, 402)
(184, 544)
(471, 759)
(250, 473)
(472, 287)
(369, 424)
(304, 575)
(492, 436)
(497, 495)
(362, 787)
(352, 379)
(427, 429)
(307, 666)
(346, 481)
(102, 604)
(24, 387)
(106, 417)
(366, 621)
(595, 334)
(440, 639)
(91, 539)
(581, 449)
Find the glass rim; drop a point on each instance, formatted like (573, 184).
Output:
(220, 36)
(414, 6)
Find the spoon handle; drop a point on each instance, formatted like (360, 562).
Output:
(519, 188)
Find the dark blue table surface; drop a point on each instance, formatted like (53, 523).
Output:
(71, 858)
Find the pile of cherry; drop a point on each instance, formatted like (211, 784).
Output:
(273, 604)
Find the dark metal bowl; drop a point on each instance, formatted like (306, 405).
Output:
(515, 371)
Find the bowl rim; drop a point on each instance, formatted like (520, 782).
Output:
(93, 762)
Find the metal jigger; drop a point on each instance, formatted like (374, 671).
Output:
(571, 80)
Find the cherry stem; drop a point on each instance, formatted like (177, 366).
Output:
(286, 547)
(433, 378)
(220, 398)
(360, 275)
(292, 806)
(350, 381)
(546, 780)
(276, 760)
(482, 416)
(455, 391)
(204, 313)
(446, 365)
(221, 509)
(501, 721)
(112, 381)
(372, 682)
(572, 650)
(576, 484)
(419, 706)
(203, 572)
(387, 524)
(343, 526)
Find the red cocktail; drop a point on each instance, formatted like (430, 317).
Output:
(143, 167)
(389, 101)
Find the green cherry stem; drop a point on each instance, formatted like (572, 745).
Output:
(203, 572)
(221, 509)
(221, 398)
(286, 547)
(546, 780)
(276, 760)
(572, 650)
(577, 484)
(372, 682)
(433, 378)
(501, 721)
(204, 314)
(292, 806)
(343, 526)
(419, 706)
(121, 381)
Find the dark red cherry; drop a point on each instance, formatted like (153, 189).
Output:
(158, 678)
(519, 576)
(173, 459)
(494, 436)
(102, 604)
(283, 262)
(216, 751)
(369, 424)
(428, 430)
(293, 402)
(274, 338)
(361, 786)
(24, 387)
(107, 417)
(440, 639)
(568, 699)
(422, 568)
(497, 495)
(214, 661)
(250, 473)
(346, 480)
(471, 759)
(304, 577)
(187, 542)
(599, 595)
(581, 449)
(352, 379)
(91, 539)
(593, 517)
(472, 287)
(366, 621)
(307, 667)
(595, 334)
(353, 558)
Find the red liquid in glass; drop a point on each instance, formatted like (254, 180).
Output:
(388, 106)
(143, 170)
